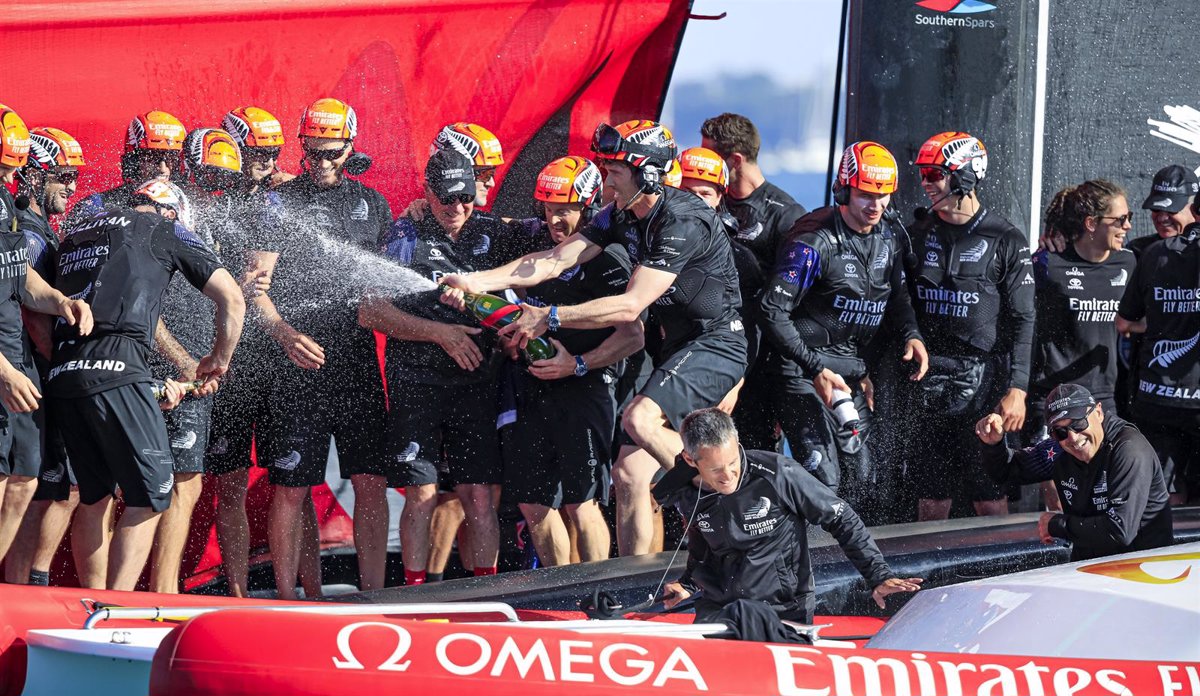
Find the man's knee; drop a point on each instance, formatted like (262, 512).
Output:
(642, 417)
(476, 499)
(289, 495)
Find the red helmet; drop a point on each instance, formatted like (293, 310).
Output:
(14, 149)
(704, 164)
(569, 180)
(53, 148)
(637, 143)
(868, 166)
(211, 147)
(329, 118)
(956, 152)
(251, 126)
(154, 130)
(472, 140)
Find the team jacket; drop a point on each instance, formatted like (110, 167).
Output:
(763, 221)
(684, 237)
(973, 289)
(120, 263)
(1165, 290)
(1076, 337)
(753, 543)
(1115, 503)
(831, 290)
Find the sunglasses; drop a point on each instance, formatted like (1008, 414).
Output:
(463, 198)
(607, 140)
(265, 154)
(1062, 432)
(1119, 221)
(932, 174)
(167, 157)
(331, 155)
(484, 174)
(66, 178)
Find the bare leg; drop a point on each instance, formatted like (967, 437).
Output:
(20, 555)
(549, 534)
(310, 549)
(646, 423)
(592, 529)
(572, 534)
(419, 504)
(283, 532)
(90, 538)
(370, 529)
(991, 507)
(17, 492)
(481, 523)
(233, 530)
(928, 510)
(447, 520)
(172, 534)
(131, 547)
(635, 517)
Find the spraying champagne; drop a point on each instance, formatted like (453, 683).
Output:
(496, 312)
(160, 390)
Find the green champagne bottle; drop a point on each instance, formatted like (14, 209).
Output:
(496, 312)
(160, 390)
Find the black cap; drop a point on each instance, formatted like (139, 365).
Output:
(1068, 401)
(1172, 189)
(450, 173)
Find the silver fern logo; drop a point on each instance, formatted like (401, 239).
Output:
(758, 510)
(975, 253)
(1167, 352)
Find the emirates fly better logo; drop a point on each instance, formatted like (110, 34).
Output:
(955, 14)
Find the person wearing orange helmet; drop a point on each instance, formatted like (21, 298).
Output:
(837, 281)
(685, 276)
(481, 146)
(972, 288)
(567, 416)
(331, 385)
(21, 287)
(260, 137)
(153, 142)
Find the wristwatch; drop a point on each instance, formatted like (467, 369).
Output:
(552, 322)
(581, 367)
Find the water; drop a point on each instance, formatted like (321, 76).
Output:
(365, 273)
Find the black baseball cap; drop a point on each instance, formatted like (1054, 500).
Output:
(1172, 190)
(1068, 401)
(449, 173)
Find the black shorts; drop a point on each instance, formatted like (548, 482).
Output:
(562, 445)
(1174, 433)
(118, 438)
(697, 375)
(307, 408)
(187, 428)
(21, 442)
(429, 424)
(837, 457)
(240, 406)
(57, 476)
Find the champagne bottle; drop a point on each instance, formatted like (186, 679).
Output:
(496, 312)
(160, 390)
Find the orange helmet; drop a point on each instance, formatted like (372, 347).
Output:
(961, 155)
(154, 130)
(674, 175)
(637, 142)
(14, 149)
(472, 140)
(569, 180)
(704, 164)
(211, 147)
(329, 118)
(53, 148)
(868, 166)
(164, 194)
(251, 126)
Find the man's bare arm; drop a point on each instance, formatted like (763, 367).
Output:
(529, 270)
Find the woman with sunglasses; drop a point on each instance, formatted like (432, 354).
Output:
(1109, 482)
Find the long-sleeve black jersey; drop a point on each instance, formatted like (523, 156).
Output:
(763, 221)
(1165, 291)
(829, 293)
(753, 543)
(1115, 503)
(1076, 336)
(973, 290)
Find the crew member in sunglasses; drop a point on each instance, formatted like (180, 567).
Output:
(684, 274)
(1107, 474)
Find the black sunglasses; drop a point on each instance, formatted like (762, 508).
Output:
(65, 178)
(485, 174)
(169, 157)
(607, 140)
(264, 154)
(1062, 432)
(463, 198)
(315, 155)
(1118, 220)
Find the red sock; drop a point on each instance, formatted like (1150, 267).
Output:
(485, 571)
(414, 577)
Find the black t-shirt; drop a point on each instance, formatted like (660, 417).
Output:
(829, 293)
(1139, 245)
(94, 204)
(973, 290)
(1165, 290)
(1076, 334)
(14, 267)
(188, 315)
(324, 238)
(684, 237)
(764, 219)
(120, 263)
(484, 242)
(603, 276)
